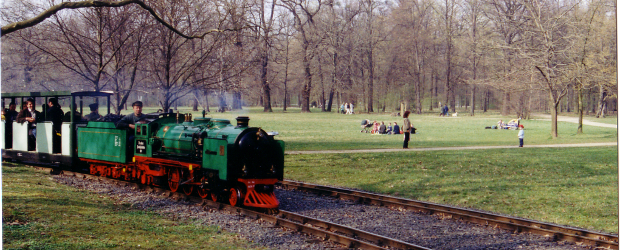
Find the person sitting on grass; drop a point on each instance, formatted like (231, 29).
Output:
(375, 127)
(382, 128)
(396, 129)
(389, 129)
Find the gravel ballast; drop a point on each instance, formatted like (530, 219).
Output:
(426, 230)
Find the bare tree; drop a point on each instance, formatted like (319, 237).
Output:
(9, 28)
(304, 13)
(547, 26)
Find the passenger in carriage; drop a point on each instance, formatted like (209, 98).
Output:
(94, 112)
(55, 115)
(77, 117)
(32, 116)
(11, 114)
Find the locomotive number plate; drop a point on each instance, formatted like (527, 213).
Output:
(141, 146)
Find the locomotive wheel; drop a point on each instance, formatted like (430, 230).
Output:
(188, 189)
(116, 174)
(143, 178)
(214, 197)
(202, 192)
(235, 199)
(173, 180)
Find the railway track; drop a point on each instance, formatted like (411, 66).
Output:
(484, 218)
(347, 236)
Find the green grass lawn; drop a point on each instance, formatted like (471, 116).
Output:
(572, 186)
(331, 131)
(38, 213)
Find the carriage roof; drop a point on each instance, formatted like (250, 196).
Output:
(55, 94)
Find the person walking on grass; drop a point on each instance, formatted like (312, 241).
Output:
(406, 129)
(521, 134)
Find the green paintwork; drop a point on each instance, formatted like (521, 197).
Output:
(101, 125)
(177, 138)
(198, 121)
(213, 157)
(106, 144)
(280, 161)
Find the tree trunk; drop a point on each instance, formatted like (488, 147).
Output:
(506, 103)
(370, 80)
(263, 79)
(554, 116)
(206, 93)
(472, 99)
(580, 110)
(307, 87)
(237, 104)
(600, 110)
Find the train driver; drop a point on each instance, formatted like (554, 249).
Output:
(129, 120)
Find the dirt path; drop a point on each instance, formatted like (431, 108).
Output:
(384, 150)
(576, 120)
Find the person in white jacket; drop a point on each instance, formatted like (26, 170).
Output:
(521, 134)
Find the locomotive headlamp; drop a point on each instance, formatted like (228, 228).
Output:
(244, 170)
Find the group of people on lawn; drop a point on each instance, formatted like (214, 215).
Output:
(347, 108)
(379, 128)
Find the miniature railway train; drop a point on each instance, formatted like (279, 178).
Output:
(211, 157)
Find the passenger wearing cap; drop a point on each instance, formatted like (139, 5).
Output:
(94, 112)
(129, 120)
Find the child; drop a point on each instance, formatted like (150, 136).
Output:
(521, 133)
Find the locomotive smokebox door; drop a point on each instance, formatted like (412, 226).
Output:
(216, 156)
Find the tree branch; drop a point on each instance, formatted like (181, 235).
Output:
(7, 29)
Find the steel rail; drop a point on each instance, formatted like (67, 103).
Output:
(350, 237)
(515, 224)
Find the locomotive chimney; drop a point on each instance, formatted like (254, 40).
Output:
(243, 121)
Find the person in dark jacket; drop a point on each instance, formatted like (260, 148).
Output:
(11, 113)
(129, 120)
(32, 116)
(382, 128)
(77, 116)
(94, 112)
(396, 129)
(55, 115)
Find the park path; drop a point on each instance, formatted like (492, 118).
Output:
(576, 120)
(384, 150)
